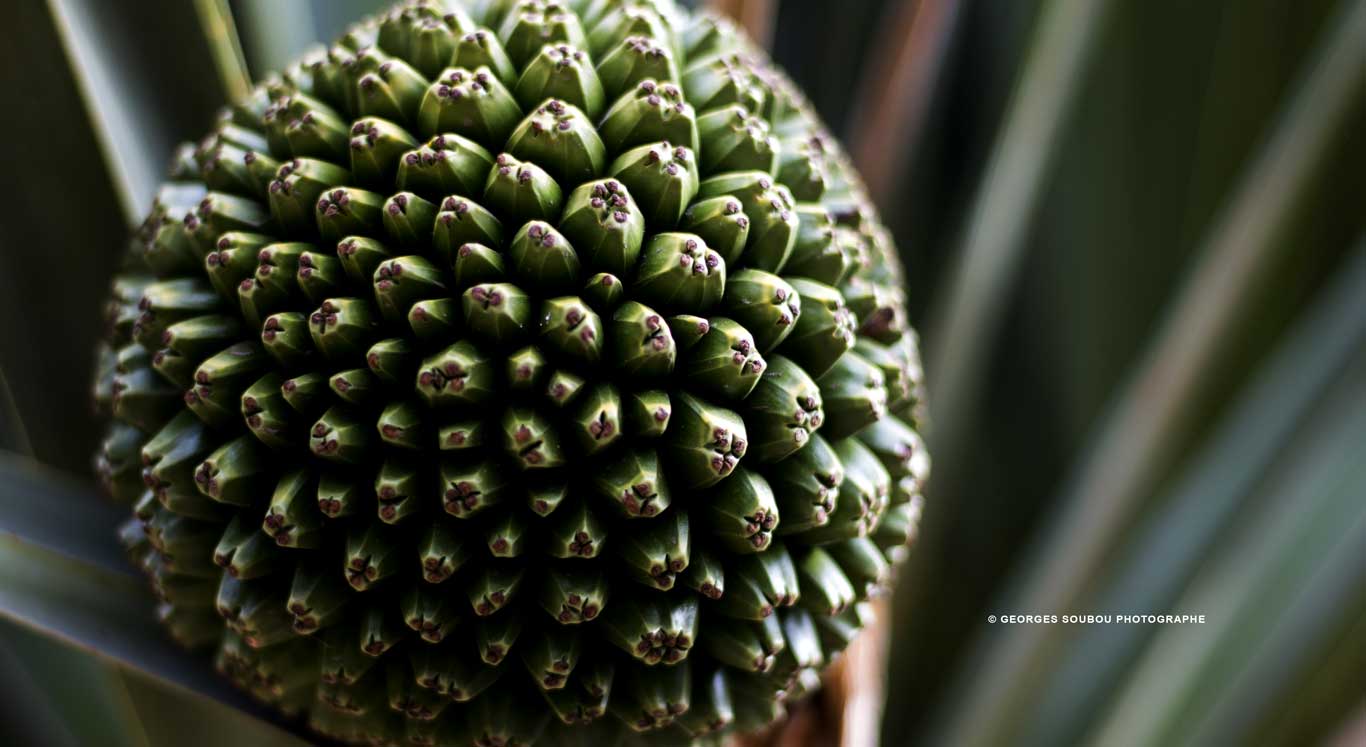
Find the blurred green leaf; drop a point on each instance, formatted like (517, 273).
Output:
(1089, 288)
(150, 82)
(969, 313)
(120, 85)
(274, 33)
(220, 35)
(86, 694)
(1298, 547)
(62, 575)
(1159, 555)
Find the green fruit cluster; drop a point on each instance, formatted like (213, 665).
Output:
(531, 372)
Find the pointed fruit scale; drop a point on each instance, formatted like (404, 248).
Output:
(678, 271)
(741, 513)
(471, 103)
(460, 374)
(734, 140)
(634, 60)
(721, 222)
(245, 553)
(393, 91)
(747, 646)
(508, 536)
(862, 562)
(830, 590)
(341, 436)
(647, 413)
(604, 292)
(823, 331)
(647, 113)
(398, 490)
(570, 328)
(480, 48)
(408, 219)
(807, 486)
(900, 449)
(522, 190)
(650, 698)
(235, 473)
(345, 211)
(765, 304)
(403, 281)
(219, 382)
(710, 710)
(319, 276)
(542, 259)
(863, 496)
(641, 343)
(573, 595)
(634, 485)
(496, 636)
(460, 222)
(430, 612)
(493, 586)
(604, 225)
(656, 555)
(462, 435)
(716, 81)
(372, 555)
(820, 252)
(393, 360)
(442, 551)
(803, 165)
(725, 364)
(317, 599)
(527, 369)
(339, 495)
(470, 489)
(898, 527)
(360, 257)
(855, 394)
(377, 146)
(662, 178)
(499, 313)
(561, 71)
(544, 496)
(653, 630)
(705, 442)
(530, 26)
(705, 575)
(783, 411)
(576, 533)
(551, 657)
(773, 220)
(446, 164)
(184, 345)
(292, 519)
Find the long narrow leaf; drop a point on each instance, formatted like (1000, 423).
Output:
(134, 139)
(1137, 442)
(968, 315)
(1297, 546)
(87, 694)
(274, 33)
(220, 35)
(61, 576)
(1159, 556)
(888, 115)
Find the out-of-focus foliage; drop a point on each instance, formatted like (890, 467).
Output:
(1174, 287)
